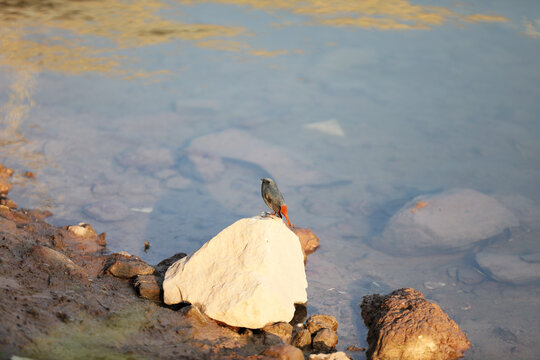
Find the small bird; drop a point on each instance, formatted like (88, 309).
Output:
(273, 198)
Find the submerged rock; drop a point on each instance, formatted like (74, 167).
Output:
(404, 325)
(148, 159)
(253, 274)
(509, 268)
(453, 220)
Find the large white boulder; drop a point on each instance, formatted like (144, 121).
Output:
(249, 275)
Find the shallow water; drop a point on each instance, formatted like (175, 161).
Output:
(155, 120)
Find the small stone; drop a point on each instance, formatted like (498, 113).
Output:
(316, 322)
(302, 339)
(147, 287)
(9, 203)
(57, 259)
(193, 313)
(29, 174)
(282, 330)
(355, 348)
(340, 355)
(82, 230)
(325, 340)
(284, 352)
(128, 268)
(102, 239)
(308, 240)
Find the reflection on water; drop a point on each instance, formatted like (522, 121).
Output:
(373, 14)
(154, 121)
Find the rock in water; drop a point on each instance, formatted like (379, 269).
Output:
(404, 325)
(453, 220)
(249, 275)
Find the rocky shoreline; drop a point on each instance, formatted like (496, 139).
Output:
(64, 297)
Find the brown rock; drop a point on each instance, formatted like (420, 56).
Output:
(284, 352)
(282, 330)
(148, 287)
(316, 322)
(324, 340)
(302, 339)
(193, 313)
(308, 240)
(128, 267)
(404, 325)
(82, 230)
(29, 174)
(55, 259)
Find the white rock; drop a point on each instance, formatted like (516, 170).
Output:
(340, 355)
(453, 220)
(249, 275)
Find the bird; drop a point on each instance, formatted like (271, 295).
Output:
(273, 198)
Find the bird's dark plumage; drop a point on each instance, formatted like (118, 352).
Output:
(273, 198)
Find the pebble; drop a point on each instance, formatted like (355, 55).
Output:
(302, 339)
(284, 352)
(325, 340)
(129, 267)
(147, 287)
(340, 355)
(316, 322)
(282, 330)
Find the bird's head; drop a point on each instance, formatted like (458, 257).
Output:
(267, 181)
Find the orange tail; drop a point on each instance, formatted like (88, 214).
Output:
(283, 210)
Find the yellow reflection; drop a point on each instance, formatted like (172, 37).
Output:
(369, 14)
(26, 27)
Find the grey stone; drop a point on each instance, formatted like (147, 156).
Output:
(508, 268)
(453, 220)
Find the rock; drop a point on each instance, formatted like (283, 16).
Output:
(107, 211)
(253, 274)
(163, 265)
(302, 339)
(8, 203)
(324, 340)
(308, 240)
(207, 151)
(284, 352)
(148, 159)
(404, 325)
(82, 230)
(127, 267)
(56, 259)
(453, 220)
(193, 313)
(316, 322)
(5, 174)
(147, 287)
(526, 210)
(470, 276)
(508, 268)
(340, 355)
(282, 330)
